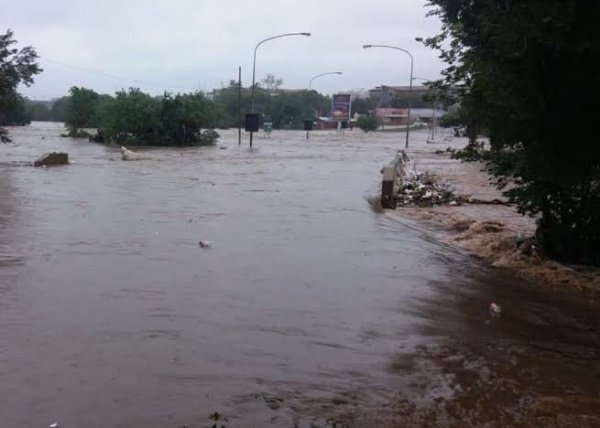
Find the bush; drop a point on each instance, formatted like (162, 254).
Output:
(208, 137)
(368, 123)
(137, 118)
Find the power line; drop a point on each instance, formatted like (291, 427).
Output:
(114, 76)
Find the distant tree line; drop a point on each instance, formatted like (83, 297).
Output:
(285, 109)
(135, 117)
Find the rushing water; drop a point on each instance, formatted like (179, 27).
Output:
(309, 307)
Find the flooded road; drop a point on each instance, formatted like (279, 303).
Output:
(309, 308)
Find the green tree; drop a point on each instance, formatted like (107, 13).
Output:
(523, 69)
(286, 109)
(227, 105)
(454, 118)
(14, 110)
(81, 109)
(182, 118)
(401, 101)
(271, 83)
(130, 117)
(58, 112)
(134, 117)
(38, 111)
(364, 105)
(17, 66)
(368, 123)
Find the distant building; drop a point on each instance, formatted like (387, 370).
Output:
(385, 94)
(426, 115)
(399, 116)
(359, 94)
(392, 116)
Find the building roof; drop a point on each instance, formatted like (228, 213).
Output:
(427, 113)
(391, 112)
(415, 88)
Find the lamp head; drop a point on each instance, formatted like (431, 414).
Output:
(367, 46)
(305, 34)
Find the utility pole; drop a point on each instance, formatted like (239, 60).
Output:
(409, 88)
(240, 106)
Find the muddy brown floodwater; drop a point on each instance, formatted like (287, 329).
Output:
(309, 309)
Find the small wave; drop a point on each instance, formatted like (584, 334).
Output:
(15, 163)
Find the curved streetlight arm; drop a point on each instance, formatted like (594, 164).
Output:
(389, 47)
(322, 74)
(254, 60)
(411, 81)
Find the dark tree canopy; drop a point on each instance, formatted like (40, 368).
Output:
(526, 75)
(135, 117)
(17, 66)
(81, 109)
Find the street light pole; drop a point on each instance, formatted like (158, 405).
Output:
(317, 76)
(411, 81)
(254, 61)
(322, 74)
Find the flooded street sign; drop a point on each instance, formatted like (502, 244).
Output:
(308, 126)
(268, 127)
(252, 124)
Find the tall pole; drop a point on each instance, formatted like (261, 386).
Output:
(254, 67)
(310, 85)
(409, 100)
(254, 60)
(410, 86)
(240, 106)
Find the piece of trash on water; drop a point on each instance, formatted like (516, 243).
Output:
(54, 425)
(223, 147)
(205, 244)
(495, 309)
(128, 155)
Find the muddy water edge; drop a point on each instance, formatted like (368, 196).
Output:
(309, 307)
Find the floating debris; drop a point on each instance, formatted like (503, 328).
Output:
(205, 244)
(495, 310)
(128, 155)
(423, 190)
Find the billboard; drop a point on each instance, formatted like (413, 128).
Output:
(340, 107)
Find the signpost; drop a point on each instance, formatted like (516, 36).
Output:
(252, 120)
(308, 126)
(340, 109)
(268, 127)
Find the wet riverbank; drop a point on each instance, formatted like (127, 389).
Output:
(308, 308)
(489, 231)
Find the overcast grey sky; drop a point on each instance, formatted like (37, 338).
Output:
(182, 45)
